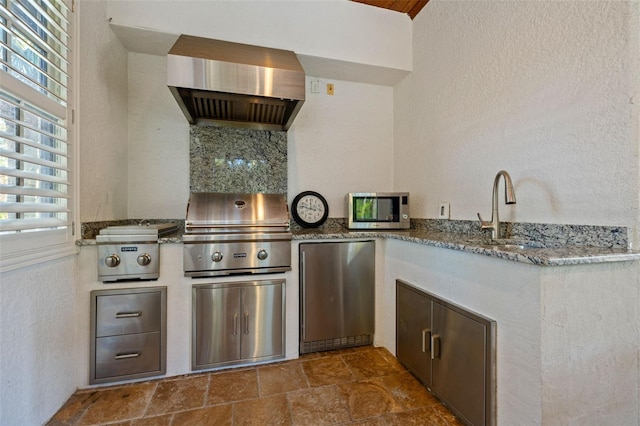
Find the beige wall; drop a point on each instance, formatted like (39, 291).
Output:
(102, 114)
(546, 90)
(158, 143)
(38, 349)
(333, 30)
(337, 144)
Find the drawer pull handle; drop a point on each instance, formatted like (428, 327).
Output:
(246, 323)
(235, 325)
(127, 356)
(128, 314)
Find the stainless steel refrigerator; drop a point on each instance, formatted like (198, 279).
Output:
(337, 288)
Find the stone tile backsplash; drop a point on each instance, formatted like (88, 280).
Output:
(551, 234)
(226, 159)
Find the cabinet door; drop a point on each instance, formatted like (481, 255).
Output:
(262, 321)
(413, 337)
(459, 362)
(217, 322)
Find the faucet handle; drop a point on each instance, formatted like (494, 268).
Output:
(484, 224)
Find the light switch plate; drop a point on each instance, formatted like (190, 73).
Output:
(315, 86)
(443, 211)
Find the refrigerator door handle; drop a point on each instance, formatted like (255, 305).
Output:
(303, 277)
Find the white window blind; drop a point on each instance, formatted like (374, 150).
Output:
(35, 151)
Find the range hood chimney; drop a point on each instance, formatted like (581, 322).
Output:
(221, 83)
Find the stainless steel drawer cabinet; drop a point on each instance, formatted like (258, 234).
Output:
(450, 350)
(129, 354)
(128, 334)
(128, 313)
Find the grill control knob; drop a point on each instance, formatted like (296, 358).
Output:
(112, 260)
(144, 259)
(216, 256)
(262, 254)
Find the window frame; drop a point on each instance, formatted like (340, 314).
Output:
(19, 249)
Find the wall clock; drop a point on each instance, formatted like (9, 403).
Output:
(309, 209)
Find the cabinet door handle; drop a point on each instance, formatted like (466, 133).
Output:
(235, 324)
(246, 323)
(303, 299)
(426, 335)
(435, 346)
(128, 314)
(127, 356)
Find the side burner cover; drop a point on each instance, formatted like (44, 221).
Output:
(159, 229)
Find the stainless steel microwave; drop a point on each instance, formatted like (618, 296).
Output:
(378, 210)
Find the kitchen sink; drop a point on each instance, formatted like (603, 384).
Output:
(515, 244)
(508, 244)
(524, 246)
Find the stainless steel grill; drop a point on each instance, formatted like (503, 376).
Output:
(228, 234)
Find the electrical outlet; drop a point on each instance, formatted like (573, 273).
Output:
(329, 88)
(443, 211)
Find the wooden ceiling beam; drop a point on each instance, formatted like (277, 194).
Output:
(410, 7)
(417, 7)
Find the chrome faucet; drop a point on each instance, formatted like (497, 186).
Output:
(509, 198)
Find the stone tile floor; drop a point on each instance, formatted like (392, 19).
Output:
(358, 386)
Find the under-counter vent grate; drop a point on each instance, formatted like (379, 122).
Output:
(251, 109)
(340, 343)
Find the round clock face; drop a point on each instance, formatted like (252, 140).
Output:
(310, 209)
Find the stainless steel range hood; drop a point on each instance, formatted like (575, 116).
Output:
(230, 84)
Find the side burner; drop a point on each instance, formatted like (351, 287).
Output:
(130, 252)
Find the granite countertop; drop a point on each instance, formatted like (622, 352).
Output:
(547, 254)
